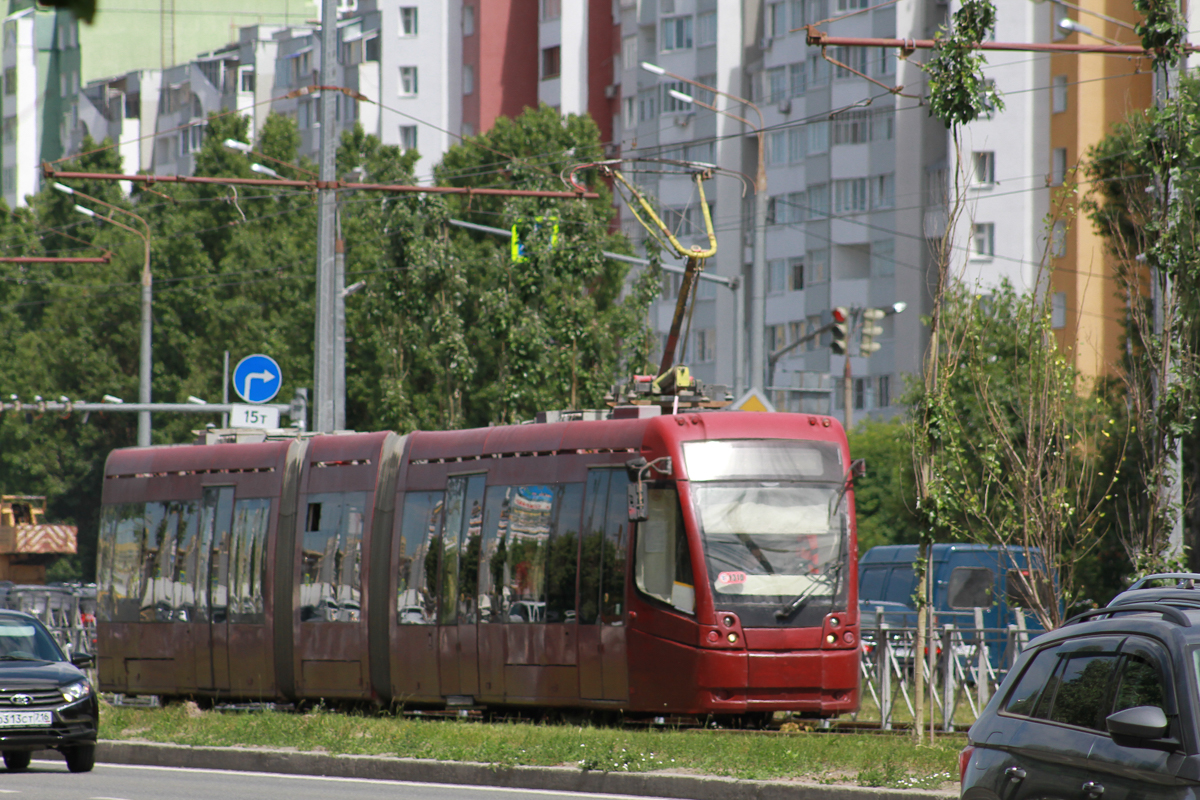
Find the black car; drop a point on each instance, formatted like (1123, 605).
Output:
(46, 701)
(1106, 706)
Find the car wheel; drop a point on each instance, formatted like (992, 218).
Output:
(17, 760)
(80, 758)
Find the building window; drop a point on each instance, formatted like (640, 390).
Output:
(883, 190)
(777, 270)
(706, 345)
(468, 20)
(190, 139)
(852, 127)
(10, 180)
(860, 393)
(551, 9)
(630, 111)
(775, 85)
(796, 275)
(885, 62)
(983, 167)
(818, 266)
(774, 336)
(777, 20)
(885, 391)
(777, 148)
(408, 81)
(818, 71)
(246, 80)
(468, 79)
(629, 52)
(10, 130)
(850, 196)
(646, 106)
(856, 58)
(818, 137)
(1058, 239)
(796, 145)
(677, 33)
(551, 62)
(408, 21)
(796, 82)
(1058, 310)
(706, 29)
(818, 201)
(1059, 14)
(1058, 93)
(983, 240)
(1058, 166)
(883, 258)
(408, 137)
(10, 81)
(883, 126)
(851, 5)
(671, 103)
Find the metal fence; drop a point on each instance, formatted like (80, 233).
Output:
(69, 611)
(967, 666)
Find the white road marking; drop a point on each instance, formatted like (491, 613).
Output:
(379, 782)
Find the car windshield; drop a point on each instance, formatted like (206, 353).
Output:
(768, 543)
(26, 640)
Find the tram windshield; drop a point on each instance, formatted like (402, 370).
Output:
(775, 549)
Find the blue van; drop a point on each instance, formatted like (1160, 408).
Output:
(965, 577)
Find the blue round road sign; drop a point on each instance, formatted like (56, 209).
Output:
(256, 378)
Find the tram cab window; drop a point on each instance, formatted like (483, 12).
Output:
(330, 589)
(663, 564)
(420, 542)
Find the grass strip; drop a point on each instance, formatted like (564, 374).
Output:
(891, 761)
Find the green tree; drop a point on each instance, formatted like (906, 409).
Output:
(885, 499)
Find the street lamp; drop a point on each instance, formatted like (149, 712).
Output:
(758, 296)
(144, 373)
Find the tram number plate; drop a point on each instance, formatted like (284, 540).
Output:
(24, 719)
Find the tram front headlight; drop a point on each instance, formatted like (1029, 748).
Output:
(733, 637)
(831, 638)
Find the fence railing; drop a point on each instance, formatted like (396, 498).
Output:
(68, 611)
(967, 666)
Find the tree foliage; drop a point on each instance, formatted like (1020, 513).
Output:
(958, 92)
(447, 333)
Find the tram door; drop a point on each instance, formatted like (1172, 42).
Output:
(458, 609)
(216, 529)
(603, 664)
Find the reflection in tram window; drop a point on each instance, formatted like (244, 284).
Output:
(216, 526)
(530, 513)
(249, 560)
(420, 537)
(330, 589)
(468, 550)
(616, 544)
(562, 560)
(190, 565)
(128, 530)
(492, 551)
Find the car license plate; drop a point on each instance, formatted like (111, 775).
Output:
(24, 719)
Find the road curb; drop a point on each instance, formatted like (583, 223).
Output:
(561, 779)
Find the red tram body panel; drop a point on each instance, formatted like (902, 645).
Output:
(495, 567)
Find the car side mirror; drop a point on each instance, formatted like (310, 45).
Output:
(83, 660)
(1139, 722)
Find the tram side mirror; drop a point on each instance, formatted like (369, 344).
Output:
(637, 502)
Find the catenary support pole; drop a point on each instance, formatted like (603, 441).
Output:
(326, 291)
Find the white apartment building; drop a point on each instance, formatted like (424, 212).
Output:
(857, 178)
(40, 57)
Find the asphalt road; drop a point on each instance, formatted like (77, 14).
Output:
(49, 780)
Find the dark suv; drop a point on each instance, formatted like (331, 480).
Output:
(46, 702)
(1106, 706)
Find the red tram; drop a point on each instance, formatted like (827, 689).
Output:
(689, 564)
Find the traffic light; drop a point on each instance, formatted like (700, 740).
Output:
(839, 331)
(524, 228)
(867, 345)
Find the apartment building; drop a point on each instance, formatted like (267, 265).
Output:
(40, 56)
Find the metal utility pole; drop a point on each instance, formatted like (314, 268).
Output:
(326, 283)
(339, 327)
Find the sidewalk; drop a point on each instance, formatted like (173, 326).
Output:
(561, 779)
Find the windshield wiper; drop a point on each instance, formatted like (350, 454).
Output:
(828, 577)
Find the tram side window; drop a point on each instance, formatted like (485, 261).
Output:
(330, 589)
(663, 562)
(493, 550)
(158, 559)
(420, 541)
(217, 527)
(129, 531)
(460, 549)
(106, 603)
(189, 583)
(602, 565)
(591, 567)
(248, 560)
(562, 561)
(528, 536)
